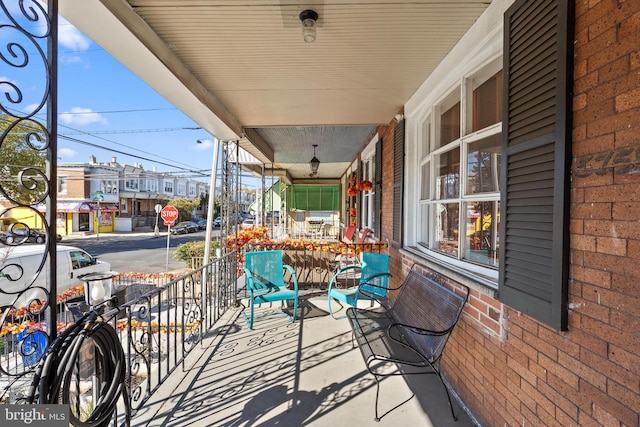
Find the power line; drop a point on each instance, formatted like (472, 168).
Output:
(79, 141)
(113, 132)
(139, 110)
(189, 169)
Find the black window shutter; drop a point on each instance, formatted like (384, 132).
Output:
(536, 147)
(398, 177)
(377, 186)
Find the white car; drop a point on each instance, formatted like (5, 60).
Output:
(247, 224)
(19, 265)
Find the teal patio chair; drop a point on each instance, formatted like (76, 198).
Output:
(264, 272)
(372, 285)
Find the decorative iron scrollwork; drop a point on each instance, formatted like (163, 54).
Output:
(25, 87)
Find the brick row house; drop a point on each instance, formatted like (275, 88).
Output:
(126, 196)
(512, 169)
(550, 333)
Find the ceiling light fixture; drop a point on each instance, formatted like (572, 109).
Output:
(314, 163)
(308, 18)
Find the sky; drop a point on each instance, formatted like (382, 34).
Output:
(100, 102)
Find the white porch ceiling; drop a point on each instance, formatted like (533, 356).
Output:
(240, 69)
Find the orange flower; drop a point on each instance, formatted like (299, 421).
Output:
(352, 212)
(352, 191)
(365, 185)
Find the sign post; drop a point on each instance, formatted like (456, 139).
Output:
(169, 214)
(98, 196)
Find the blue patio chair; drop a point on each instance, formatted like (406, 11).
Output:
(264, 273)
(372, 285)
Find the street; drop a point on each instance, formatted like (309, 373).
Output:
(136, 252)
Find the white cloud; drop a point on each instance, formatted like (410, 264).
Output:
(8, 80)
(70, 37)
(71, 60)
(66, 153)
(204, 144)
(82, 117)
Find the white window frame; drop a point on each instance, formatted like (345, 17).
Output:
(63, 184)
(423, 127)
(368, 173)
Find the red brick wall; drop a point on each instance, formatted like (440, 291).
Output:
(395, 263)
(77, 184)
(512, 370)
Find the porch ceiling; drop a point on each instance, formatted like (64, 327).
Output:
(242, 71)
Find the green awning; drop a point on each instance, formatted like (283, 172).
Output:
(313, 198)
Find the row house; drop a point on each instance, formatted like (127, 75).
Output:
(109, 197)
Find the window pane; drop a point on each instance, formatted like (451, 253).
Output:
(448, 178)
(423, 225)
(482, 225)
(424, 182)
(450, 125)
(426, 137)
(447, 228)
(487, 103)
(483, 165)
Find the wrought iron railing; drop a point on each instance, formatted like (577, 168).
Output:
(158, 325)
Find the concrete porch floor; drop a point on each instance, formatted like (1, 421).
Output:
(290, 374)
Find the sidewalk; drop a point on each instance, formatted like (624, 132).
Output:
(115, 235)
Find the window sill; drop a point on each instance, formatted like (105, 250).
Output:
(483, 284)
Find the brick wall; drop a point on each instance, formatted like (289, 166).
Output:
(512, 370)
(77, 184)
(395, 262)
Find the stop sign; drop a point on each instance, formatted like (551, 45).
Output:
(169, 214)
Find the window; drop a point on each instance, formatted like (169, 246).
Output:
(458, 208)
(131, 184)
(168, 187)
(367, 211)
(62, 184)
(124, 206)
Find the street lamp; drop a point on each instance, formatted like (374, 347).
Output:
(156, 230)
(97, 286)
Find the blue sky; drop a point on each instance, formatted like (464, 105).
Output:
(101, 102)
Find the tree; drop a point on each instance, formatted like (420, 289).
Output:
(185, 207)
(23, 153)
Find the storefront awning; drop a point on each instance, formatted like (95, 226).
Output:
(79, 207)
(105, 207)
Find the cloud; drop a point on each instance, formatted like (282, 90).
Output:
(66, 153)
(8, 80)
(82, 117)
(71, 38)
(71, 60)
(204, 144)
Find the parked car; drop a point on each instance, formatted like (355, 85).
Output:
(18, 235)
(247, 224)
(184, 227)
(217, 222)
(21, 263)
(202, 224)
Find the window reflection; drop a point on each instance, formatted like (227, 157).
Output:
(447, 228)
(483, 165)
(448, 180)
(482, 223)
